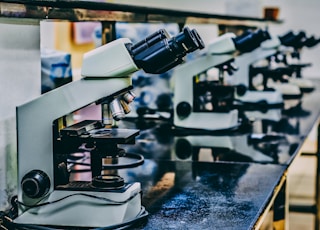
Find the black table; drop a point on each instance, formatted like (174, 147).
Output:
(202, 195)
(216, 183)
(213, 180)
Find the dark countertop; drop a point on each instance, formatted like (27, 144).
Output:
(265, 140)
(200, 195)
(230, 185)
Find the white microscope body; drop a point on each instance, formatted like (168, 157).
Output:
(220, 114)
(242, 76)
(220, 51)
(41, 201)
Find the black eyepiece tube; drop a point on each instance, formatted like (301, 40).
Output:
(249, 41)
(286, 37)
(311, 42)
(159, 52)
(189, 39)
(149, 41)
(291, 39)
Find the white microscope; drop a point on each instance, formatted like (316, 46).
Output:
(203, 103)
(290, 57)
(244, 77)
(46, 194)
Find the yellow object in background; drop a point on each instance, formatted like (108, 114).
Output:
(65, 40)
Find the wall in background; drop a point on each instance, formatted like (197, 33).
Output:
(296, 14)
(19, 83)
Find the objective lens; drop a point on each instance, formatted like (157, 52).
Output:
(129, 97)
(116, 110)
(107, 115)
(125, 107)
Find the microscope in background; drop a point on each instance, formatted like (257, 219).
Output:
(258, 94)
(46, 194)
(276, 74)
(287, 62)
(201, 102)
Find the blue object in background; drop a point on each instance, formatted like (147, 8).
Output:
(56, 69)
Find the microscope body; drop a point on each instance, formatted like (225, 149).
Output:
(35, 152)
(46, 196)
(242, 76)
(220, 51)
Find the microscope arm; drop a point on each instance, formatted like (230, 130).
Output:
(112, 60)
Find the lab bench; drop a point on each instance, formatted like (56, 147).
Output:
(234, 180)
(199, 186)
(203, 195)
(210, 181)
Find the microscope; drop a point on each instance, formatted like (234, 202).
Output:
(48, 192)
(204, 103)
(290, 57)
(256, 94)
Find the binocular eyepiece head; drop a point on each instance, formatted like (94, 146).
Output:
(159, 52)
(249, 40)
(293, 40)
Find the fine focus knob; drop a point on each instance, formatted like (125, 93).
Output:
(35, 184)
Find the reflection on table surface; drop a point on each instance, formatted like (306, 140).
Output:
(201, 194)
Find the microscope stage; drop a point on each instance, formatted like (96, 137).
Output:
(94, 131)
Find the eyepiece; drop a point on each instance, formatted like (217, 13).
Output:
(293, 40)
(149, 41)
(189, 40)
(251, 40)
(311, 41)
(286, 37)
(159, 52)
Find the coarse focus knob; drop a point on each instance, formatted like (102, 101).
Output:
(35, 184)
(183, 109)
(241, 90)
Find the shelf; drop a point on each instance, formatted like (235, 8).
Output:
(102, 11)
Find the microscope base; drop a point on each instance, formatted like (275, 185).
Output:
(305, 85)
(82, 209)
(289, 91)
(270, 114)
(264, 98)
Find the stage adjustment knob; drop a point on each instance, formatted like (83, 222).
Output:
(35, 184)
